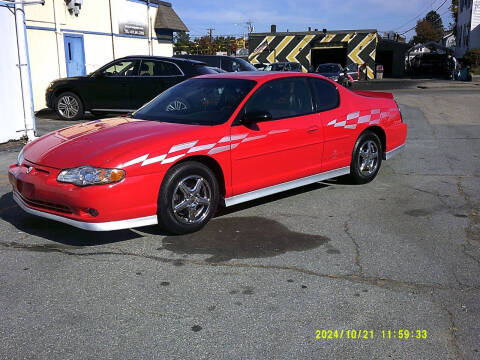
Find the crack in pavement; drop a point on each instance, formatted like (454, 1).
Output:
(473, 222)
(357, 247)
(452, 329)
(381, 282)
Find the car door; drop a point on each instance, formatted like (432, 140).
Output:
(287, 147)
(154, 77)
(336, 124)
(112, 85)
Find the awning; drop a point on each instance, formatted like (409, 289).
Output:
(167, 18)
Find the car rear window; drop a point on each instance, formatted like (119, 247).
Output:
(326, 95)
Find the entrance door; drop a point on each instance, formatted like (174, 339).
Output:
(74, 55)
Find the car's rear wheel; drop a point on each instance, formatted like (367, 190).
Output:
(69, 106)
(188, 198)
(367, 158)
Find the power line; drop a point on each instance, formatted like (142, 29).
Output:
(403, 33)
(416, 17)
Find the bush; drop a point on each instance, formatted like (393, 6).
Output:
(472, 58)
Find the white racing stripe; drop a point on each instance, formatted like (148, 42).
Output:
(201, 148)
(154, 159)
(134, 161)
(183, 146)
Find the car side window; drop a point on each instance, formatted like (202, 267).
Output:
(282, 98)
(121, 68)
(326, 95)
(158, 68)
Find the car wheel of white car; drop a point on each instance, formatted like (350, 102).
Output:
(188, 198)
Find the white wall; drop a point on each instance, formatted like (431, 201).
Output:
(16, 118)
(47, 54)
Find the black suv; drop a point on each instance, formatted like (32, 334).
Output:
(227, 63)
(122, 85)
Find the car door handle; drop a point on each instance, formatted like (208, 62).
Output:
(312, 129)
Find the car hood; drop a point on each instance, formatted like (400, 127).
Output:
(67, 79)
(104, 143)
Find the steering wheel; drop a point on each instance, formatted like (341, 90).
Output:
(177, 105)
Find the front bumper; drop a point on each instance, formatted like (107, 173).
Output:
(49, 98)
(129, 203)
(103, 226)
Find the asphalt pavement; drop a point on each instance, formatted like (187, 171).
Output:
(400, 253)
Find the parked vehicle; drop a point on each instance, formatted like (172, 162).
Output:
(334, 72)
(212, 140)
(122, 85)
(432, 64)
(227, 63)
(352, 70)
(259, 66)
(284, 66)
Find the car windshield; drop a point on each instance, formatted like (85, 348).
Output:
(197, 102)
(328, 68)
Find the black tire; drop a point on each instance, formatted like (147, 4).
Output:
(69, 106)
(366, 158)
(173, 194)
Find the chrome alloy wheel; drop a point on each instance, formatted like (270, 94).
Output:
(191, 201)
(68, 106)
(368, 159)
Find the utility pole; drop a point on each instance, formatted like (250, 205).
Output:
(250, 26)
(210, 31)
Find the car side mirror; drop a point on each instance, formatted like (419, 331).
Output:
(256, 116)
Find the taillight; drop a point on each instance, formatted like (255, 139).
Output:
(400, 111)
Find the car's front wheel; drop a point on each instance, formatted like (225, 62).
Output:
(69, 106)
(188, 198)
(366, 158)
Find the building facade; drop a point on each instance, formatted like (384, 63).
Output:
(315, 47)
(63, 43)
(468, 26)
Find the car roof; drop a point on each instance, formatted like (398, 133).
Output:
(166, 58)
(188, 56)
(259, 76)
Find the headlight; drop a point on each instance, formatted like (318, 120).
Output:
(20, 158)
(89, 175)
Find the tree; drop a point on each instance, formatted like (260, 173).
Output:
(435, 20)
(182, 42)
(454, 12)
(430, 28)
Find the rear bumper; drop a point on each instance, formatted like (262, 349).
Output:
(103, 226)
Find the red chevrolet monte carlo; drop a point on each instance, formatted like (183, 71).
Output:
(215, 139)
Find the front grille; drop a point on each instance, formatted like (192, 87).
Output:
(46, 205)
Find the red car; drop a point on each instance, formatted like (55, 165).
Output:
(215, 139)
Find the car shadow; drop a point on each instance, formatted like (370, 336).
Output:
(56, 231)
(222, 211)
(69, 235)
